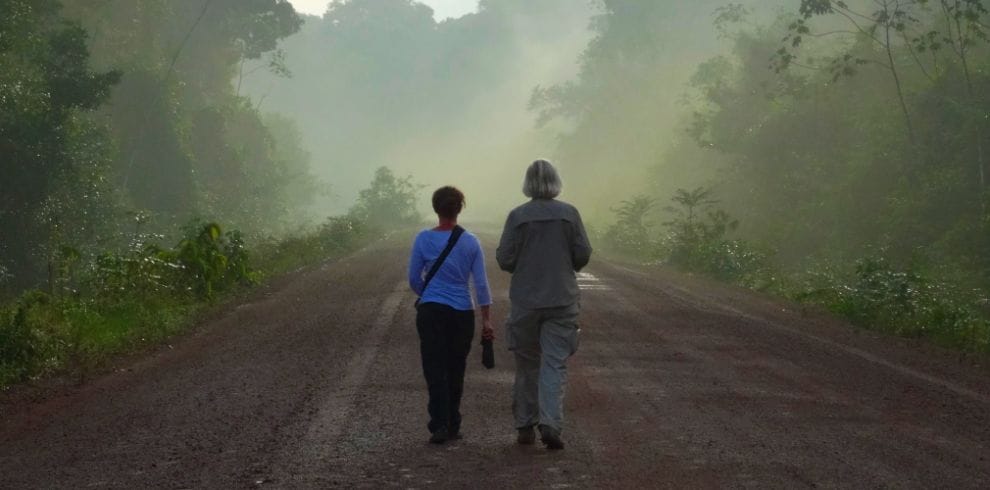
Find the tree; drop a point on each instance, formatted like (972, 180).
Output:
(54, 157)
(631, 232)
(962, 28)
(886, 26)
(388, 202)
(188, 144)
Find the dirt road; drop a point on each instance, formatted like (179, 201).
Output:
(678, 383)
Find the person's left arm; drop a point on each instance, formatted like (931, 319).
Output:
(416, 265)
(507, 251)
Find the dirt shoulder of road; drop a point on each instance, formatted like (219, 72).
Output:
(968, 369)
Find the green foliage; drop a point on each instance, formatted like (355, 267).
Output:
(22, 337)
(175, 139)
(698, 240)
(205, 262)
(52, 153)
(338, 235)
(901, 301)
(631, 233)
(211, 261)
(388, 202)
(144, 295)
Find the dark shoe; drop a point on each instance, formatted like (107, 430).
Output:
(439, 437)
(526, 437)
(454, 432)
(551, 437)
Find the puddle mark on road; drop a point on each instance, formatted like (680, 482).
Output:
(590, 282)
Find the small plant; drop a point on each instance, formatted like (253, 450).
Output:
(26, 336)
(697, 241)
(631, 234)
(342, 233)
(901, 301)
(212, 261)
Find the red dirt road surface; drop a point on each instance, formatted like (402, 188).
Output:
(315, 382)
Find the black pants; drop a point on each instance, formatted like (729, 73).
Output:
(445, 336)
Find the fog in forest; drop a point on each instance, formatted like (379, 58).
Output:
(833, 153)
(382, 84)
(470, 101)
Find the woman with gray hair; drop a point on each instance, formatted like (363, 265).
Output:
(543, 245)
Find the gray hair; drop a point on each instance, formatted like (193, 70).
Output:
(542, 181)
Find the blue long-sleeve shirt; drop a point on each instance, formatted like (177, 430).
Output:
(450, 285)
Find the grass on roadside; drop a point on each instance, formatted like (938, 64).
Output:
(123, 302)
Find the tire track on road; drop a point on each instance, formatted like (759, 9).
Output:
(337, 410)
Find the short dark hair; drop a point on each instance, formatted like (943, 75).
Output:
(448, 202)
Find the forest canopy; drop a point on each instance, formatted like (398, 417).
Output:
(122, 114)
(788, 144)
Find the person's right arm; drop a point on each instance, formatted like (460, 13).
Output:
(507, 251)
(580, 246)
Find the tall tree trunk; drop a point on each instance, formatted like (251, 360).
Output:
(900, 89)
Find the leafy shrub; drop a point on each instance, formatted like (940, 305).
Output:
(140, 295)
(144, 294)
(903, 302)
(387, 202)
(211, 261)
(697, 241)
(204, 262)
(338, 235)
(143, 272)
(342, 233)
(631, 234)
(26, 336)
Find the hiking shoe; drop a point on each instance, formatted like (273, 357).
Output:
(526, 437)
(439, 437)
(455, 436)
(551, 437)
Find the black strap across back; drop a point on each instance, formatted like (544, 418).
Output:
(455, 234)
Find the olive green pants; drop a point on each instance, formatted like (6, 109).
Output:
(542, 341)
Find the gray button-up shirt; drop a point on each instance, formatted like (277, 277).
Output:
(543, 245)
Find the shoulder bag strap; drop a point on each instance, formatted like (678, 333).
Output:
(455, 234)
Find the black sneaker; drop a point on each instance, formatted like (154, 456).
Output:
(439, 437)
(526, 437)
(551, 437)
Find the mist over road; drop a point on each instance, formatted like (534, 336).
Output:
(315, 382)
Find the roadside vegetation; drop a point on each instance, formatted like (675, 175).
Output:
(119, 126)
(874, 292)
(119, 301)
(836, 153)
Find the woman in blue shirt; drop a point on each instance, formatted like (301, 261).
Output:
(445, 315)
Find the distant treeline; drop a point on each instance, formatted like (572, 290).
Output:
(382, 83)
(119, 117)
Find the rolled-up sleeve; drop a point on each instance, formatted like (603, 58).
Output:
(508, 246)
(580, 247)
